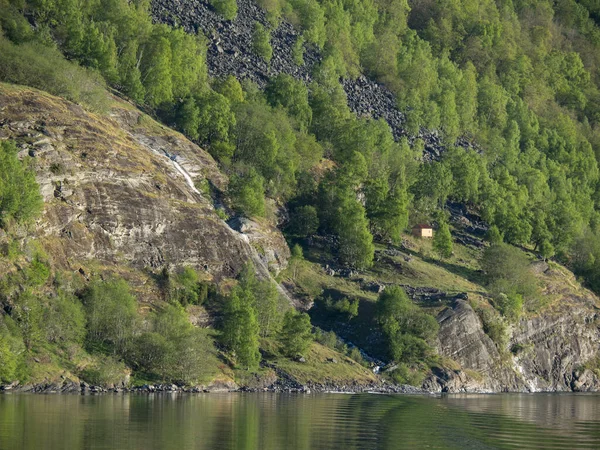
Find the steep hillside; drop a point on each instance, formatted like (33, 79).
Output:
(268, 245)
(118, 200)
(124, 190)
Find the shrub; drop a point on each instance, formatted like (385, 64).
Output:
(406, 327)
(261, 42)
(20, 197)
(227, 8)
(106, 372)
(64, 320)
(509, 278)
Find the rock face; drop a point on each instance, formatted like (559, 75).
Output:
(122, 190)
(546, 352)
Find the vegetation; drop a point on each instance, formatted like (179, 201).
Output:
(442, 241)
(20, 198)
(406, 327)
(509, 278)
(296, 334)
(518, 79)
(261, 42)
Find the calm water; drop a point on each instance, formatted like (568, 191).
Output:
(272, 421)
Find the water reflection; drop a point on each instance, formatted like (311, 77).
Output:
(270, 421)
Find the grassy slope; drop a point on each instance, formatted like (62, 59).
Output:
(415, 264)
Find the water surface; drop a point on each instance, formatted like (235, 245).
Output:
(289, 421)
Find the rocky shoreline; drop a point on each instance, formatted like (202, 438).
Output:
(74, 387)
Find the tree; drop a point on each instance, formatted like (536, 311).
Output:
(247, 193)
(406, 328)
(291, 94)
(241, 329)
(156, 68)
(296, 334)
(494, 236)
(304, 221)
(226, 8)
(20, 197)
(296, 261)
(356, 242)
(509, 278)
(261, 42)
(442, 241)
(111, 313)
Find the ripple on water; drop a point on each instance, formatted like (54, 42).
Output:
(312, 422)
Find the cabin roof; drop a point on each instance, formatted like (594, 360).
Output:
(422, 226)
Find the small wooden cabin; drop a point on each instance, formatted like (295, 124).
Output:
(422, 230)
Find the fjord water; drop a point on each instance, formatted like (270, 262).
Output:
(288, 421)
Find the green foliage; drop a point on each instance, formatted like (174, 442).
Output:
(347, 308)
(28, 314)
(240, 328)
(298, 51)
(173, 350)
(226, 8)
(106, 372)
(284, 91)
(20, 197)
(8, 361)
(296, 333)
(406, 327)
(261, 42)
(111, 314)
(186, 288)
(304, 221)
(509, 278)
(11, 350)
(494, 236)
(33, 64)
(64, 320)
(442, 241)
(247, 193)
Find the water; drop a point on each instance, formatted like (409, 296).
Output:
(281, 421)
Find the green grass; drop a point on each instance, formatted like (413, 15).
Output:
(318, 367)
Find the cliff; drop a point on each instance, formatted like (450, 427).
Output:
(123, 191)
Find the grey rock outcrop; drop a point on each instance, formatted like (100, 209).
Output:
(120, 193)
(549, 351)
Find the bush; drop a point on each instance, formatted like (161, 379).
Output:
(20, 197)
(227, 8)
(64, 320)
(509, 278)
(344, 306)
(406, 327)
(106, 372)
(261, 42)
(187, 289)
(174, 350)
